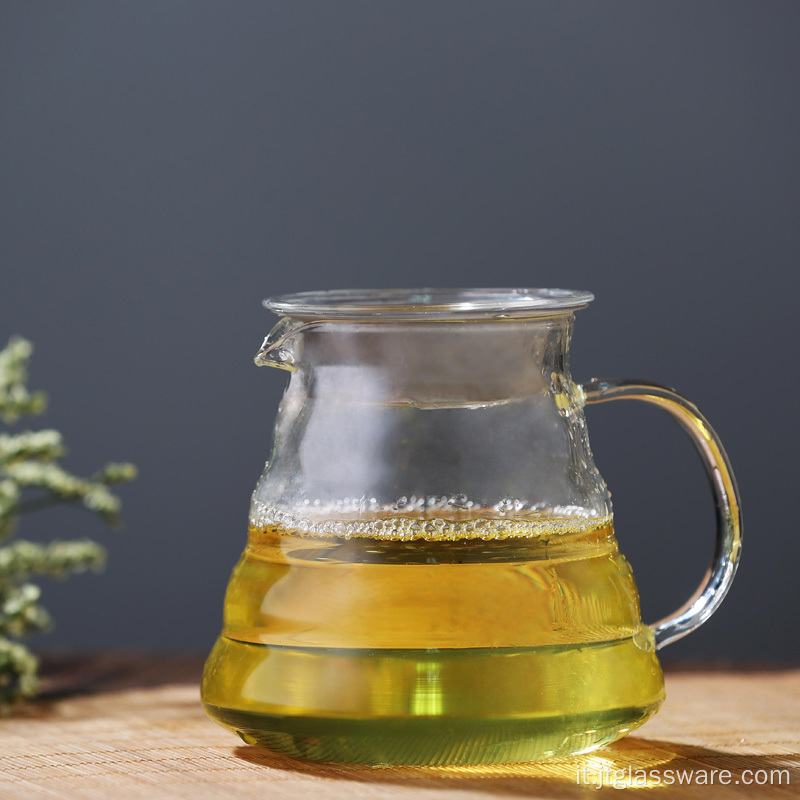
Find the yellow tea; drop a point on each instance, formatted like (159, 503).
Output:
(408, 640)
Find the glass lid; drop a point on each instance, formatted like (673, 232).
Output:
(427, 303)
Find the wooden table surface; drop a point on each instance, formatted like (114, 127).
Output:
(132, 727)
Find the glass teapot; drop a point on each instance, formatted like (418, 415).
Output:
(431, 574)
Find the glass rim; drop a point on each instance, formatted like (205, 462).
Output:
(427, 303)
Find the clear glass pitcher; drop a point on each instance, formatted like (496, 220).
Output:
(431, 574)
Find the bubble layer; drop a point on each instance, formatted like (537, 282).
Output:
(430, 524)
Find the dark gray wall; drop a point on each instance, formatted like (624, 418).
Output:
(165, 165)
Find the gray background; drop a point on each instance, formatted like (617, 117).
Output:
(165, 165)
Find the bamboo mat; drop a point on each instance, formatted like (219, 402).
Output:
(119, 728)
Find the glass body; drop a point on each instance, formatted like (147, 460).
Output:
(431, 574)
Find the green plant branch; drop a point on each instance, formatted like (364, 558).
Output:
(28, 461)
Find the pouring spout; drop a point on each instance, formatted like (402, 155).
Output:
(271, 355)
(278, 349)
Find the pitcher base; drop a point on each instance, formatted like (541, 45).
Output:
(433, 741)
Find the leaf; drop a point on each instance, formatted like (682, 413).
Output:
(43, 445)
(20, 612)
(21, 559)
(18, 673)
(15, 399)
(121, 472)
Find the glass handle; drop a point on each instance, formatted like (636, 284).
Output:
(720, 574)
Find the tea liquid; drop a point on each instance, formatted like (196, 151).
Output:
(433, 642)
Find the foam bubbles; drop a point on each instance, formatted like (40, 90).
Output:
(418, 519)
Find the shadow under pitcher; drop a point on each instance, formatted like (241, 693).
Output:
(431, 574)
